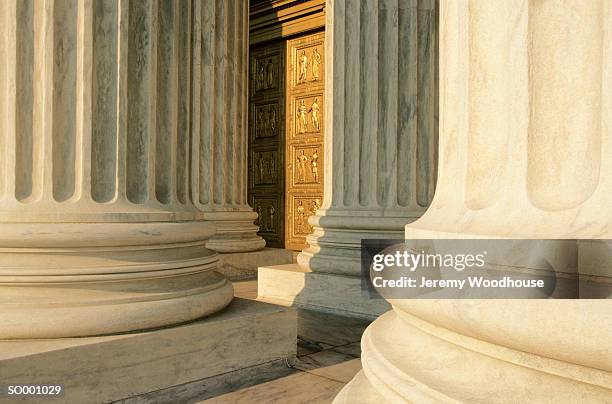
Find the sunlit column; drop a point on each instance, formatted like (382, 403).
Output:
(381, 126)
(525, 152)
(98, 229)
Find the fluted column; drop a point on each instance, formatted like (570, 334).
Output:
(98, 229)
(220, 145)
(381, 125)
(525, 152)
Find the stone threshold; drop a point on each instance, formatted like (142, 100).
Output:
(291, 285)
(243, 266)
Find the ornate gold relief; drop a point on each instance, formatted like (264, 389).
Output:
(316, 64)
(302, 208)
(307, 60)
(304, 148)
(308, 114)
(306, 165)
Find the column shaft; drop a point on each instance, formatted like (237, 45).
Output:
(381, 121)
(220, 141)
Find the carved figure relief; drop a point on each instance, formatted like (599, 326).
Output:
(302, 114)
(270, 74)
(260, 218)
(316, 62)
(272, 168)
(300, 217)
(305, 63)
(266, 121)
(260, 78)
(302, 161)
(314, 115)
(272, 119)
(307, 166)
(304, 208)
(303, 67)
(265, 163)
(313, 166)
(267, 217)
(267, 73)
(260, 131)
(271, 213)
(314, 207)
(308, 117)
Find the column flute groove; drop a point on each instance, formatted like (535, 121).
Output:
(121, 102)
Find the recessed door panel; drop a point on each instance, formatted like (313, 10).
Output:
(267, 140)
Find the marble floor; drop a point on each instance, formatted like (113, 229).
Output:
(328, 358)
(316, 386)
(328, 354)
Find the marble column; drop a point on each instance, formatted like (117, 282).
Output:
(381, 125)
(525, 157)
(220, 143)
(99, 232)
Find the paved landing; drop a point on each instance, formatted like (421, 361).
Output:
(319, 385)
(328, 358)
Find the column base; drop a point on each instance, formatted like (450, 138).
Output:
(75, 280)
(241, 266)
(291, 285)
(82, 309)
(235, 232)
(96, 368)
(335, 243)
(508, 351)
(406, 359)
(359, 387)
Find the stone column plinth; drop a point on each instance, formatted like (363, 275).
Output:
(220, 91)
(381, 125)
(99, 232)
(525, 152)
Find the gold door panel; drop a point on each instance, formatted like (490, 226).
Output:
(307, 162)
(301, 207)
(306, 61)
(304, 136)
(308, 114)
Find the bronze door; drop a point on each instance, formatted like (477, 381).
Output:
(286, 138)
(266, 140)
(303, 136)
